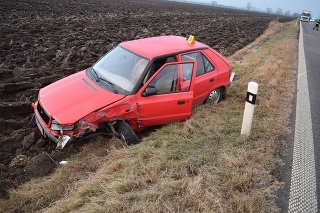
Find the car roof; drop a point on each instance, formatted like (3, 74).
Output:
(161, 45)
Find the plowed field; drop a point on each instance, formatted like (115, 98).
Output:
(42, 41)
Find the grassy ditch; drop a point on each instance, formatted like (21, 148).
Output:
(201, 165)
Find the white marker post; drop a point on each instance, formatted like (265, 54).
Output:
(249, 108)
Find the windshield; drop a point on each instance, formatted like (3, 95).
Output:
(121, 68)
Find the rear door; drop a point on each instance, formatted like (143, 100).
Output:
(206, 76)
(167, 97)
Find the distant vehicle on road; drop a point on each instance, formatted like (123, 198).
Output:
(305, 15)
(312, 20)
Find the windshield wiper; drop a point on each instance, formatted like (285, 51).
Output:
(108, 83)
(93, 72)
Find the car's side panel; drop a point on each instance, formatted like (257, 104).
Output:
(204, 85)
(222, 67)
(165, 108)
(125, 109)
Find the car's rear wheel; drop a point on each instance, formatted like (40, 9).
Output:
(126, 133)
(215, 96)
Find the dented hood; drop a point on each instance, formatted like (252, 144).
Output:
(74, 97)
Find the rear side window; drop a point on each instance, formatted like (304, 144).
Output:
(204, 65)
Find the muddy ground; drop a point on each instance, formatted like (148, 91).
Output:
(42, 41)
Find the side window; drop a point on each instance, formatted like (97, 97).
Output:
(185, 82)
(204, 65)
(208, 67)
(157, 64)
(171, 79)
(166, 81)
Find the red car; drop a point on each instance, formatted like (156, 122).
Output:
(139, 83)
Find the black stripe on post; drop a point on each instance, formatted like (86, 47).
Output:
(251, 98)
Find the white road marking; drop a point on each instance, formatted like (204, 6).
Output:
(303, 197)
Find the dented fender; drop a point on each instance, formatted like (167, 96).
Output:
(119, 111)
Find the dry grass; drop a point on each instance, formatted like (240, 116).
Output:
(201, 165)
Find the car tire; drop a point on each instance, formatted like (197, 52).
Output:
(215, 96)
(126, 133)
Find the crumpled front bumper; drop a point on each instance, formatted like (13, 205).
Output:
(61, 141)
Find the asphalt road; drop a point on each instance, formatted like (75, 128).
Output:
(312, 53)
(304, 181)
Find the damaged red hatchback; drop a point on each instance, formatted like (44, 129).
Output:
(139, 83)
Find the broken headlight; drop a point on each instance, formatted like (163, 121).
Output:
(58, 127)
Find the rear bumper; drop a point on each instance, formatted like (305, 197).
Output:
(232, 76)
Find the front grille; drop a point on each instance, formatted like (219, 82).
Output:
(43, 113)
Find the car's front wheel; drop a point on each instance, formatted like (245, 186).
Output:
(126, 133)
(214, 96)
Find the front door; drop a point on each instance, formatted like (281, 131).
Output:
(167, 97)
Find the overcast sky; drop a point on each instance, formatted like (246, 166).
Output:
(294, 6)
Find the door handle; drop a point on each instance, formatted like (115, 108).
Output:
(181, 102)
(211, 79)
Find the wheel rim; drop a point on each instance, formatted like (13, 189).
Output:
(214, 96)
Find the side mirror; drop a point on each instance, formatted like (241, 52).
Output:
(149, 91)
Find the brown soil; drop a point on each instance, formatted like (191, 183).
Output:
(42, 41)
